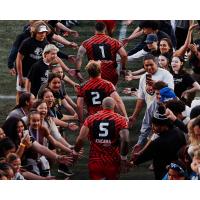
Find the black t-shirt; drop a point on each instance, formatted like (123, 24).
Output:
(32, 50)
(163, 151)
(38, 75)
(182, 82)
(53, 23)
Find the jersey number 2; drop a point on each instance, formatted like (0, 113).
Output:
(95, 98)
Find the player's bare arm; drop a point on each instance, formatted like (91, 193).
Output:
(119, 103)
(79, 57)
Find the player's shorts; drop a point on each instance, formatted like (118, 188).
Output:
(18, 87)
(113, 78)
(103, 170)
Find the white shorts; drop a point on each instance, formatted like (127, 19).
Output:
(18, 87)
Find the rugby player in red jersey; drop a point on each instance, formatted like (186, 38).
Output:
(108, 134)
(104, 48)
(93, 91)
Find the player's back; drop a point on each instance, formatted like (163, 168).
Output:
(104, 128)
(101, 47)
(94, 91)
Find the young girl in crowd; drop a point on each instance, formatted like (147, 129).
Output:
(6, 171)
(184, 84)
(15, 161)
(164, 61)
(57, 69)
(195, 165)
(176, 171)
(3, 175)
(54, 84)
(43, 127)
(48, 97)
(29, 148)
(14, 130)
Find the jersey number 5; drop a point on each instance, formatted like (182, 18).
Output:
(103, 127)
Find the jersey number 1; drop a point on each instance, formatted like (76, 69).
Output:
(102, 51)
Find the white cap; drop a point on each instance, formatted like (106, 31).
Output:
(42, 28)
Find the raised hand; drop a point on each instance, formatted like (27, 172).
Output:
(73, 126)
(67, 160)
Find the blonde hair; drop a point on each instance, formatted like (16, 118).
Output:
(193, 139)
(197, 153)
(93, 68)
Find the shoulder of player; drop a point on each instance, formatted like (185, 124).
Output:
(85, 83)
(89, 39)
(106, 82)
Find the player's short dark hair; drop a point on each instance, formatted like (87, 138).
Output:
(93, 69)
(100, 26)
(149, 24)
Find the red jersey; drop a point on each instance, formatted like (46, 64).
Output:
(93, 92)
(104, 128)
(104, 48)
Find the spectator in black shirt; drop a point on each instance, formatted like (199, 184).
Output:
(183, 82)
(163, 150)
(39, 71)
(30, 52)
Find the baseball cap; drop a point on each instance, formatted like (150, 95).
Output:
(159, 116)
(167, 94)
(151, 38)
(42, 28)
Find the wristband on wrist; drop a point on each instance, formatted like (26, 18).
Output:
(22, 145)
(123, 157)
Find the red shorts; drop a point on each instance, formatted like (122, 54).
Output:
(109, 72)
(100, 170)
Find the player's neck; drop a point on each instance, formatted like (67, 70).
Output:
(97, 77)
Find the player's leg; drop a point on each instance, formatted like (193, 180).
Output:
(96, 170)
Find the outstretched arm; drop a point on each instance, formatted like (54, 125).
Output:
(119, 103)
(79, 57)
(183, 49)
(80, 103)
